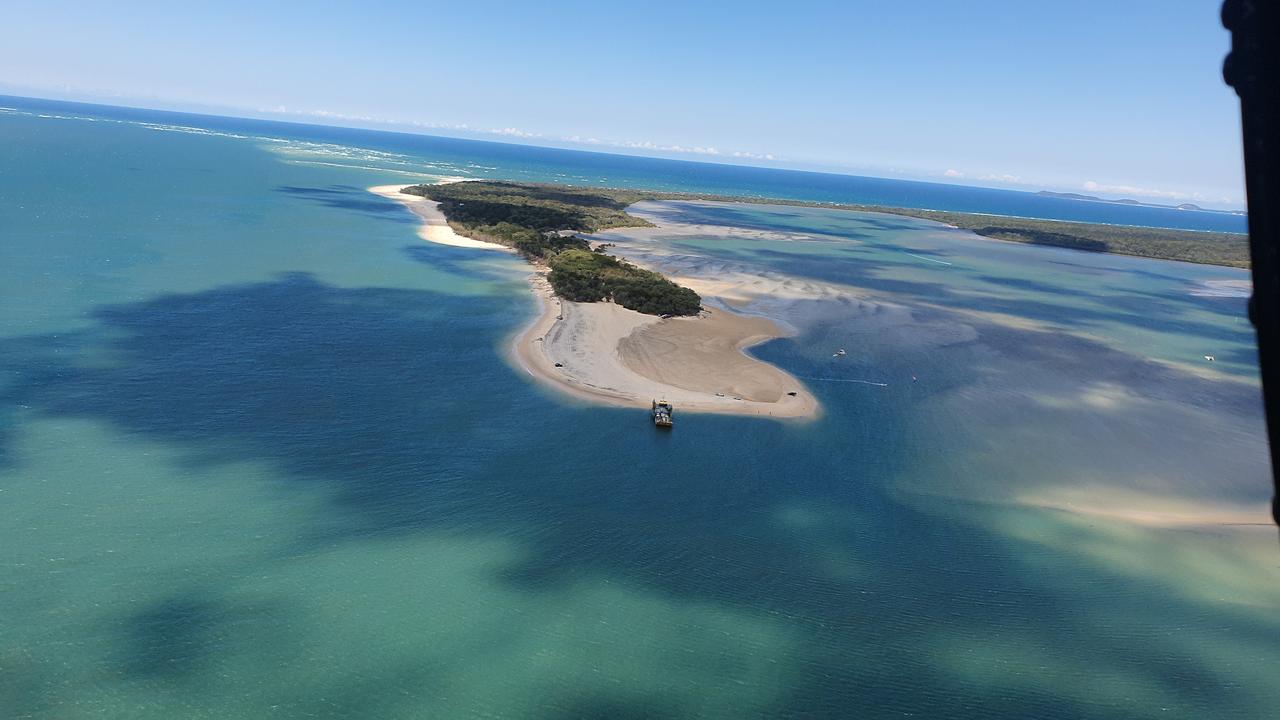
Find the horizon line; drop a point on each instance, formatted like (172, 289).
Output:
(469, 135)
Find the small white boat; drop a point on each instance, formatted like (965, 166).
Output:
(1210, 358)
(839, 353)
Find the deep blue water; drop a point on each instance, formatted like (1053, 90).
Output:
(489, 159)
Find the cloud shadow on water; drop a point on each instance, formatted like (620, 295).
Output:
(396, 403)
(351, 199)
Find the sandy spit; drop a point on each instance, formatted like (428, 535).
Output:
(607, 354)
(615, 356)
(434, 228)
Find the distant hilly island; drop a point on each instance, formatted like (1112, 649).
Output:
(1127, 201)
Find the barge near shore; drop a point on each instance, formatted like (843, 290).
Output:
(662, 412)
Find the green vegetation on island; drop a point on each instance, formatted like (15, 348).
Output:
(481, 205)
(538, 221)
(479, 208)
(587, 276)
(1206, 248)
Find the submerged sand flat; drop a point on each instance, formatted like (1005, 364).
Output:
(1152, 510)
(1053, 390)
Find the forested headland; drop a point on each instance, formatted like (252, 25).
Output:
(539, 221)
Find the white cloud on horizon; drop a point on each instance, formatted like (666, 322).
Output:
(328, 115)
(681, 149)
(754, 156)
(1005, 178)
(343, 117)
(646, 145)
(513, 132)
(1092, 186)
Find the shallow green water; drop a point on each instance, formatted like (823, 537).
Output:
(260, 456)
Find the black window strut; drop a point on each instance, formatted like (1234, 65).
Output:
(1253, 69)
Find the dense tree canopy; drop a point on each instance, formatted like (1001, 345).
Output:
(587, 276)
(538, 221)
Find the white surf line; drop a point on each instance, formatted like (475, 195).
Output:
(940, 262)
(844, 380)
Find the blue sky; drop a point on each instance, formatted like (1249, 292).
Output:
(1119, 98)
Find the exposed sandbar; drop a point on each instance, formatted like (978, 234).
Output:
(434, 227)
(612, 355)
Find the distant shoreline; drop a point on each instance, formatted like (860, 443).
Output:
(1200, 247)
(1231, 251)
(1128, 201)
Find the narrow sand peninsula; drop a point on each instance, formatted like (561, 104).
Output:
(607, 353)
(434, 227)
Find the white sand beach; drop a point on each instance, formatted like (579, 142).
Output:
(605, 353)
(434, 227)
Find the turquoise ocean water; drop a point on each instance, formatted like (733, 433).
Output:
(260, 456)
